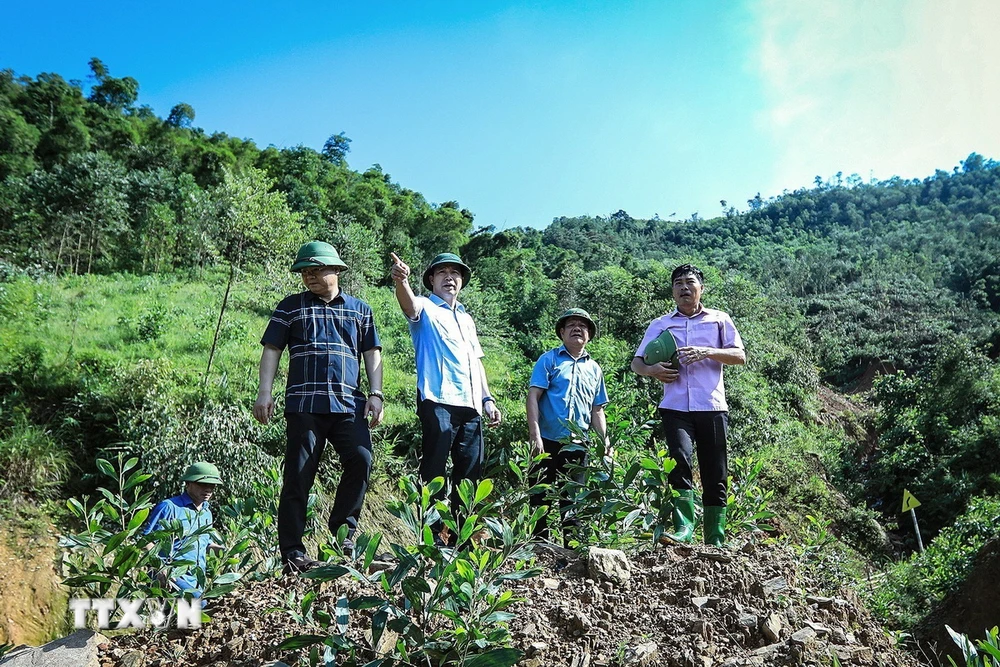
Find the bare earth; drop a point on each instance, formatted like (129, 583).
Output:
(681, 607)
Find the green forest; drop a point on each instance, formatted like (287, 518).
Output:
(140, 258)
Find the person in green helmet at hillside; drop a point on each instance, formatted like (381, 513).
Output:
(566, 387)
(328, 334)
(694, 410)
(190, 518)
(452, 392)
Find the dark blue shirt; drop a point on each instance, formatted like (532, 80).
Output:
(325, 344)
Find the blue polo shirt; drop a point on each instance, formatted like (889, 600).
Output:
(325, 344)
(182, 510)
(572, 388)
(449, 370)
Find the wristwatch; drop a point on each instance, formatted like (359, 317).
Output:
(377, 394)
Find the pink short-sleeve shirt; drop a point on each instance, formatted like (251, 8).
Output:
(699, 387)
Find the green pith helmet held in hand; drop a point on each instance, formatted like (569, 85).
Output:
(447, 258)
(317, 253)
(661, 348)
(583, 315)
(202, 472)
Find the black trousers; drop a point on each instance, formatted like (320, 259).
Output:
(707, 431)
(308, 434)
(548, 472)
(455, 431)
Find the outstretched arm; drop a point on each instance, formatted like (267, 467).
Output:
(404, 293)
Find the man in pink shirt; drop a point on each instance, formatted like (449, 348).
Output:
(693, 409)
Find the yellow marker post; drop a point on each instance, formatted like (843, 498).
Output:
(910, 504)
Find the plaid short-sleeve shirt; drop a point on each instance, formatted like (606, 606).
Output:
(325, 343)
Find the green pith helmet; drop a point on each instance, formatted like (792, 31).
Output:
(661, 348)
(202, 472)
(447, 258)
(317, 253)
(583, 315)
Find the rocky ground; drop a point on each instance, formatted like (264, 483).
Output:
(677, 606)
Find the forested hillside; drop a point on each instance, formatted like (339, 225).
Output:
(140, 257)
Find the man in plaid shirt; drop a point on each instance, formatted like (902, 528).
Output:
(327, 334)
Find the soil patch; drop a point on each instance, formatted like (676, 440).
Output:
(32, 601)
(681, 607)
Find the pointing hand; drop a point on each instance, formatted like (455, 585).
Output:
(400, 271)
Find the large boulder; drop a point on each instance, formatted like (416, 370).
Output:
(76, 650)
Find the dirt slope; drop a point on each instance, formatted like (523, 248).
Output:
(681, 607)
(32, 603)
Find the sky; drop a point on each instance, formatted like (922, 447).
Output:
(526, 111)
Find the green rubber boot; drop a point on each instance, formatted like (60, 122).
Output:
(683, 515)
(715, 526)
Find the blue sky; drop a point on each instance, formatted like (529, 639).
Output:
(524, 111)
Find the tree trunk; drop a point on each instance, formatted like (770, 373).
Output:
(218, 325)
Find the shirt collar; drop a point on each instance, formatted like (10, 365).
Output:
(562, 350)
(438, 301)
(678, 313)
(187, 501)
(339, 297)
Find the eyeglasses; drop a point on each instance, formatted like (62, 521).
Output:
(320, 270)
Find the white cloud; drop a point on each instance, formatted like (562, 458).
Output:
(894, 87)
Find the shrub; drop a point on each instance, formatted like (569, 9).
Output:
(32, 462)
(453, 599)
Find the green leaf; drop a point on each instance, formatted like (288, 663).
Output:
(368, 602)
(498, 617)
(464, 569)
(414, 588)
(325, 573)
(297, 642)
(379, 619)
(500, 657)
(468, 528)
(630, 476)
(106, 468)
(76, 508)
(484, 489)
(131, 463)
(115, 542)
(219, 591)
(520, 574)
(138, 518)
(134, 479)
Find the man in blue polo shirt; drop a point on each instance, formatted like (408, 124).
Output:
(327, 334)
(190, 518)
(452, 392)
(567, 387)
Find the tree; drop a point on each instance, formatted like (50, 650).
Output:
(18, 141)
(111, 93)
(182, 115)
(57, 109)
(336, 148)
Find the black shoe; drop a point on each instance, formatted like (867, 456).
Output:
(347, 548)
(300, 563)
